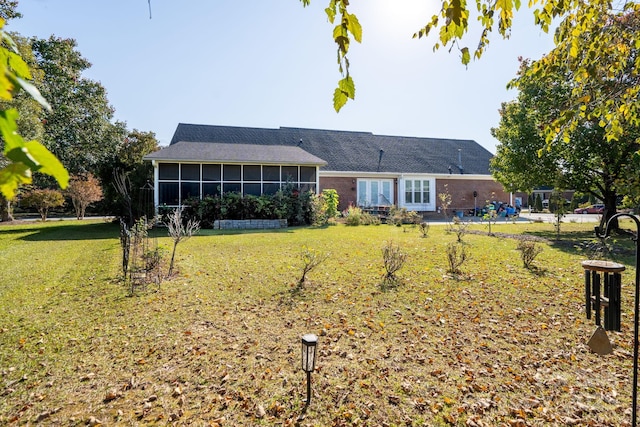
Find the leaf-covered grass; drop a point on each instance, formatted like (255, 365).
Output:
(219, 344)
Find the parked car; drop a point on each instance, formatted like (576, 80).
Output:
(591, 209)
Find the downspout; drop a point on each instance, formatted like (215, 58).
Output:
(156, 185)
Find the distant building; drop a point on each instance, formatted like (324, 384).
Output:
(366, 170)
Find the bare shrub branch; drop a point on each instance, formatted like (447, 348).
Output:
(394, 258)
(310, 260)
(528, 252)
(456, 256)
(180, 232)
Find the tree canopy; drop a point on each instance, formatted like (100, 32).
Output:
(22, 157)
(589, 162)
(583, 38)
(78, 129)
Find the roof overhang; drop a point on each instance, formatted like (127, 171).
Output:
(211, 152)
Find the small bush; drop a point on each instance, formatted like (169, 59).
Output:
(310, 260)
(353, 216)
(394, 258)
(456, 256)
(423, 227)
(528, 252)
(403, 216)
(460, 228)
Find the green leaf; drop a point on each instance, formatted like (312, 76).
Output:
(11, 177)
(466, 58)
(49, 163)
(339, 99)
(348, 86)
(33, 92)
(331, 14)
(354, 26)
(22, 155)
(9, 130)
(18, 66)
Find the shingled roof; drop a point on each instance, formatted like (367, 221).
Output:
(235, 153)
(346, 151)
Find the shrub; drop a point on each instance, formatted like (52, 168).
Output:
(399, 216)
(179, 231)
(393, 258)
(310, 260)
(331, 200)
(423, 227)
(528, 252)
(317, 211)
(456, 256)
(288, 203)
(353, 216)
(43, 200)
(460, 228)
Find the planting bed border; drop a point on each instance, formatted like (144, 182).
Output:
(249, 224)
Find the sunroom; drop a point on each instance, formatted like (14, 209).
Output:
(196, 170)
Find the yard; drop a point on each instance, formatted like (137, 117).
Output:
(219, 343)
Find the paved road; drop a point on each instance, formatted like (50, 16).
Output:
(547, 217)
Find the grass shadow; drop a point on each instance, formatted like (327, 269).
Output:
(67, 231)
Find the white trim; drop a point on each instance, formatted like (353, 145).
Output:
(388, 175)
(420, 207)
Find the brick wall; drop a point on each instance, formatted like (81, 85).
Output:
(461, 191)
(346, 188)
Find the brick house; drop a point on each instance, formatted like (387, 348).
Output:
(366, 170)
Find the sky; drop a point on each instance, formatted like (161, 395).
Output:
(272, 63)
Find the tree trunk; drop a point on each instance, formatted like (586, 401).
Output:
(610, 202)
(6, 213)
(173, 255)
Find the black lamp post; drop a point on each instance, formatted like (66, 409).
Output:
(636, 315)
(309, 346)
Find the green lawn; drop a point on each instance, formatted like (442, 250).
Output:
(219, 343)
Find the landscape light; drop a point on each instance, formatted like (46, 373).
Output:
(309, 346)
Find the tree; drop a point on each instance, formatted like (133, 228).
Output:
(84, 190)
(538, 203)
(8, 10)
(591, 163)
(78, 129)
(30, 111)
(20, 158)
(452, 25)
(127, 160)
(43, 200)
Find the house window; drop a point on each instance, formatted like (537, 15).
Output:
(375, 192)
(416, 191)
(178, 182)
(210, 189)
(290, 174)
(168, 171)
(189, 190)
(271, 173)
(231, 172)
(189, 172)
(169, 193)
(211, 172)
(270, 188)
(252, 173)
(307, 174)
